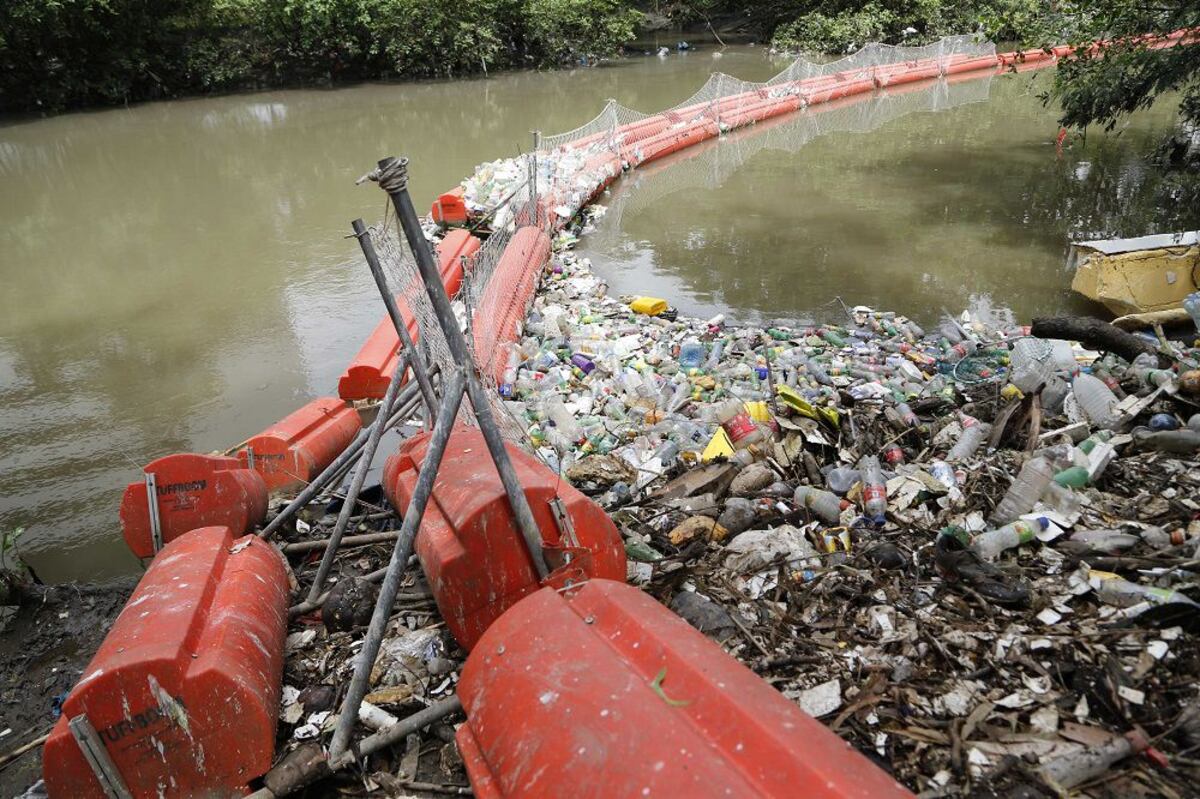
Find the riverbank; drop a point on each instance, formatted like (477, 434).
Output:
(44, 647)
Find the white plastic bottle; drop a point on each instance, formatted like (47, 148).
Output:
(1096, 400)
(1026, 489)
(973, 435)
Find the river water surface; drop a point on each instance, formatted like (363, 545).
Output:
(176, 275)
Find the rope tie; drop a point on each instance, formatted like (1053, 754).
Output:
(391, 177)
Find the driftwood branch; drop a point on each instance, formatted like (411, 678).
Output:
(1093, 333)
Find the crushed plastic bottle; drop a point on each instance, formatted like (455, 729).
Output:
(1026, 489)
(1032, 363)
(989, 544)
(1178, 442)
(1191, 304)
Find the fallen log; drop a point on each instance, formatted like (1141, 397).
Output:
(1093, 333)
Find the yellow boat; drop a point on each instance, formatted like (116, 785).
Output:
(1147, 273)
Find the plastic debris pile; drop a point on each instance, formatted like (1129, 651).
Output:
(971, 551)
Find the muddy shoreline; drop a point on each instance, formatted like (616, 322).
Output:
(44, 647)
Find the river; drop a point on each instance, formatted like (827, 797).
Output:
(176, 275)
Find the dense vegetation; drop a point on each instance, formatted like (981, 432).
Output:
(57, 54)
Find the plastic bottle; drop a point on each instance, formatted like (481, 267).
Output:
(563, 421)
(840, 479)
(1176, 442)
(973, 435)
(943, 473)
(1095, 400)
(508, 381)
(1031, 363)
(893, 455)
(1088, 444)
(1111, 541)
(824, 505)
(961, 350)
(1115, 590)
(738, 425)
(988, 545)
(1075, 768)
(874, 492)
(1191, 304)
(1161, 539)
(1145, 368)
(1026, 489)
(691, 354)
(1073, 477)
(906, 414)
(1194, 422)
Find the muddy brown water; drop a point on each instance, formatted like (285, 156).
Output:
(176, 275)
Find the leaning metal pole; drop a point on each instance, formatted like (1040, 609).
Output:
(389, 300)
(352, 451)
(360, 477)
(452, 396)
(392, 176)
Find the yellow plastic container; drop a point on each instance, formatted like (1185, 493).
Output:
(650, 306)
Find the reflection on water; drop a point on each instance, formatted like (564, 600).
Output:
(886, 204)
(176, 275)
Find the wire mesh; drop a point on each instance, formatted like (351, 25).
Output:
(546, 188)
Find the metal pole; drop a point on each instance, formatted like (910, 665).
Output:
(533, 190)
(319, 482)
(392, 177)
(360, 477)
(389, 300)
(401, 729)
(365, 662)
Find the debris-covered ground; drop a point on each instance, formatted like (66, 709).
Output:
(44, 646)
(970, 551)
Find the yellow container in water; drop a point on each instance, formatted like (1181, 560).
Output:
(650, 306)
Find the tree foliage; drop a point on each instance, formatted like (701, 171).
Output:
(57, 54)
(1101, 85)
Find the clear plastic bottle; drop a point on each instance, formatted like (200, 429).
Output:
(564, 422)
(841, 479)
(1032, 363)
(989, 544)
(823, 504)
(973, 435)
(1026, 489)
(1115, 590)
(961, 350)
(1191, 304)
(1112, 541)
(1161, 539)
(1095, 400)
(874, 492)
(1145, 368)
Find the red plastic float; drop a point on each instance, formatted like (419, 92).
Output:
(183, 694)
(192, 491)
(294, 450)
(369, 373)
(508, 293)
(470, 548)
(603, 689)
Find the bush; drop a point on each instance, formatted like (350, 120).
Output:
(57, 54)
